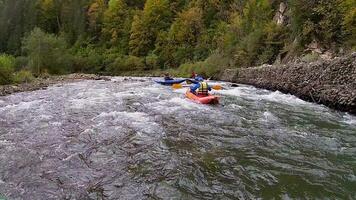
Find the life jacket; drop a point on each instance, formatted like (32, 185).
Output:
(203, 89)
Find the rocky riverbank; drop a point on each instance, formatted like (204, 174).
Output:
(332, 82)
(43, 83)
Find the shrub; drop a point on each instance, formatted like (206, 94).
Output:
(311, 57)
(86, 59)
(215, 63)
(151, 61)
(186, 69)
(126, 63)
(134, 63)
(6, 69)
(46, 52)
(21, 62)
(23, 76)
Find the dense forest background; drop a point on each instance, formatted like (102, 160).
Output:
(113, 36)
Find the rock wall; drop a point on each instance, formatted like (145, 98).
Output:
(332, 83)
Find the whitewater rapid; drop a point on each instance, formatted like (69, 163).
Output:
(130, 138)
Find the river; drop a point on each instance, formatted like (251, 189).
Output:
(129, 138)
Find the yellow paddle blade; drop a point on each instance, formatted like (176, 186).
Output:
(177, 86)
(217, 87)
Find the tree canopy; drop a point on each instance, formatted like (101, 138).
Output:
(171, 33)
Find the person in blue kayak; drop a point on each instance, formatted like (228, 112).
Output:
(167, 77)
(201, 88)
(198, 77)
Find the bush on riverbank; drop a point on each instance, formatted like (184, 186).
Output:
(6, 69)
(8, 73)
(47, 53)
(23, 76)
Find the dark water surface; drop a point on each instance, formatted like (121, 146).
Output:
(133, 139)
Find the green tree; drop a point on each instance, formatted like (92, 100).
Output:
(95, 17)
(117, 23)
(184, 34)
(73, 19)
(317, 20)
(146, 25)
(348, 9)
(46, 53)
(48, 18)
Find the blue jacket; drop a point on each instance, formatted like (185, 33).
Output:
(197, 78)
(196, 86)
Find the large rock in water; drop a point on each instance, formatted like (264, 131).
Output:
(331, 82)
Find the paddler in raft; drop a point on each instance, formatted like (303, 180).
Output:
(201, 88)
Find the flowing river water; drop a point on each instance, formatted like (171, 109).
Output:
(133, 139)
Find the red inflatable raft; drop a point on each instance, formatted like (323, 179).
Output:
(210, 99)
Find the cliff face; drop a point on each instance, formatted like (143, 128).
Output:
(332, 83)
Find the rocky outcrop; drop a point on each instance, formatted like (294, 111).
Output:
(43, 83)
(329, 82)
(281, 16)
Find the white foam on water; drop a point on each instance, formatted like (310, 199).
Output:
(82, 103)
(135, 116)
(349, 119)
(6, 142)
(300, 134)
(180, 91)
(234, 106)
(56, 124)
(269, 117)
(91, 97)
(140, 122)
(117, 79)
(21, 106)
(252, 94)
(126, 94)
(153, 89)
(45, 117)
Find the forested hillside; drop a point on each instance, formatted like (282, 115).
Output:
(112, 36)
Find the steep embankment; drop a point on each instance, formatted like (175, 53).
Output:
(332, 83)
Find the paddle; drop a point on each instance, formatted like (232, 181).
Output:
(177, 86)
(217, 87)
(180, 86)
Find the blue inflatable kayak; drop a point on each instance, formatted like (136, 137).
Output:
(170, 82)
